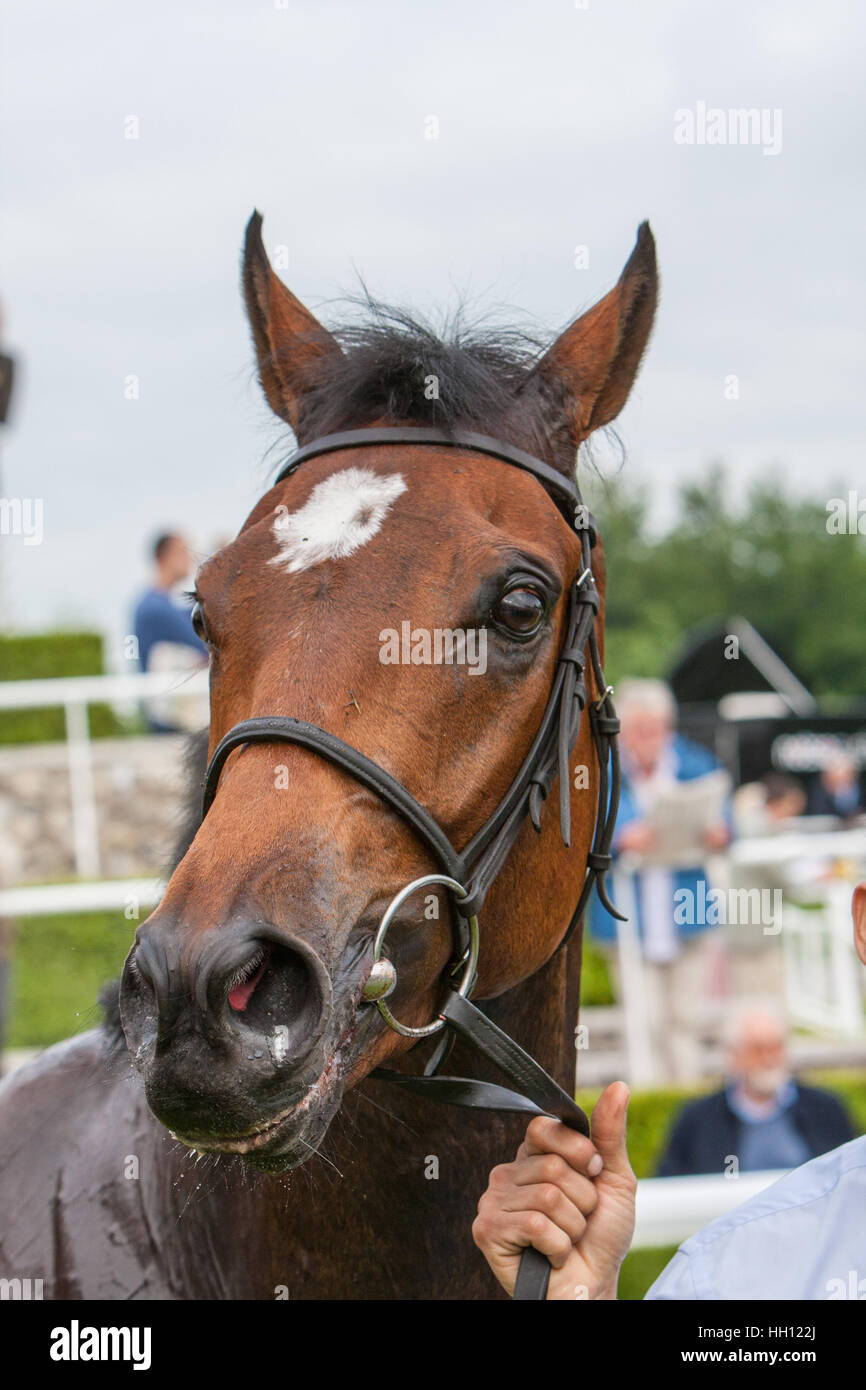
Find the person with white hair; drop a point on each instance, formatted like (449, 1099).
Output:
(763, 1118)
(675, 968)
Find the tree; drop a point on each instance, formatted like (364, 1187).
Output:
(769, 558)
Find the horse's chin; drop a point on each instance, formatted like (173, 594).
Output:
(286, 1139)
(297, 1146)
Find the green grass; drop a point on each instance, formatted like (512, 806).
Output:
(640, 1269)
(59, 964)
(595, 982)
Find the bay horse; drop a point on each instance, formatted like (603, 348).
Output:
(233, 1141)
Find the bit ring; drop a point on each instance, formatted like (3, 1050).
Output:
(471, 956)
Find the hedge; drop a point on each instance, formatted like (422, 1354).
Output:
(45, 656)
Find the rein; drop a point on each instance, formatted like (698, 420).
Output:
(470, 872)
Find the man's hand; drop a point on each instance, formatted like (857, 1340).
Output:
(570, 1197)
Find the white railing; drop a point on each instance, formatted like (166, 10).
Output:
(822, 968)
(669, 1210)
(823, 974)
(75, 693)
(54, 899)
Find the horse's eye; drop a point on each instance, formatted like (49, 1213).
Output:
(199, 626)
(520, 612)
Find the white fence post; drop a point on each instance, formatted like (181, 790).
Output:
(641, 1063)
(822, 970)
(844, 962)
(85, 823)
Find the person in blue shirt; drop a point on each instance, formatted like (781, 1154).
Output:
(573, 1199)
(673, 953)
(161, 624)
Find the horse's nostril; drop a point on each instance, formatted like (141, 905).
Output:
(245, 983)
(278, 991)
(264, 997)
(146, 966)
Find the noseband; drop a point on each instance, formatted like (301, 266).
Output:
(470, 872)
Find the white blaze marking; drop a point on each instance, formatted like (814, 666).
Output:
(340, 515)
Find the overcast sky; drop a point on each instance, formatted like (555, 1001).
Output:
(555, 130)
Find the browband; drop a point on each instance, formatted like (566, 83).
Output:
(456, 439)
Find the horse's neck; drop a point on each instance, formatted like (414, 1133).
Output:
(540, 1014)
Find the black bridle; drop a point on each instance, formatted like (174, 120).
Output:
(476, 866)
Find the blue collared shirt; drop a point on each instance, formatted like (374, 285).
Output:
(804, 1237)
(158, 618)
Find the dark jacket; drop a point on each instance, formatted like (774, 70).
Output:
(822, 803)
(707, 1131)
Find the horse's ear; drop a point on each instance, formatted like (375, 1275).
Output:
(289, 341)
(595, 361)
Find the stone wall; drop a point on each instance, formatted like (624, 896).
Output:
(139, 787)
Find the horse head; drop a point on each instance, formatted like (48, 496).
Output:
(410, 599)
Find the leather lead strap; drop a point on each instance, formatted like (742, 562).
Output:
(539, 1095)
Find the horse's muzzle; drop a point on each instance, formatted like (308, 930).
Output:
(226, 1028)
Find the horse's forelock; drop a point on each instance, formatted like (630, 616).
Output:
(396, 369)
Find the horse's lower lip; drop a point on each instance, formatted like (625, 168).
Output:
(269, 1132)
(255, 1140)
